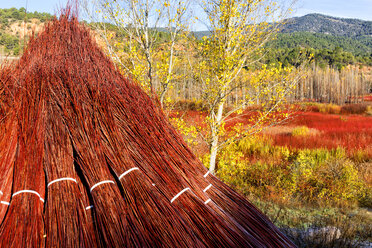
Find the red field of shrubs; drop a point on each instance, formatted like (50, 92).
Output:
(353, 132)
(329, 126)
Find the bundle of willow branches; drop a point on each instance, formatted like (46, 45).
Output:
(87, 159)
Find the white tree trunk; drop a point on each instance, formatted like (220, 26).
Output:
(215, 136)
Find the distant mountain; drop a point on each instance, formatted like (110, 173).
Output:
(322, 24)
(326, 32)
(201, 34)
(317, 23)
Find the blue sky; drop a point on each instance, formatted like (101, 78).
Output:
(361, 9)
(50, 6)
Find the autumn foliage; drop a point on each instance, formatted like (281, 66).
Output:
(88, 160)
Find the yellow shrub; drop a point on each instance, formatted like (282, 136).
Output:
(321, 176)
(301, 131)
(256, 145)
(369, 110)
(329, 108)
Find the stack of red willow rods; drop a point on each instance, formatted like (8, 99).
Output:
(87, 159)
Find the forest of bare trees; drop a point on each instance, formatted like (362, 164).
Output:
(326, 85)
(330, 85)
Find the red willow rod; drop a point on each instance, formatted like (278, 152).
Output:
(8, 139)
(66, 203)
(24, 217)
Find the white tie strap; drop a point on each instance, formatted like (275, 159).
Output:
(128, 171)
(1, 192)
(28, 191)
(206, 174)
(62, 179)
(208, 187)
(102, 182)
(206, 202)
(5, 203)
(89, 207)
(182, 191)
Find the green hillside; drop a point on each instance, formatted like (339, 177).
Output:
(13, 14)
(357, 46)
(11, 33)
(328, 49)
